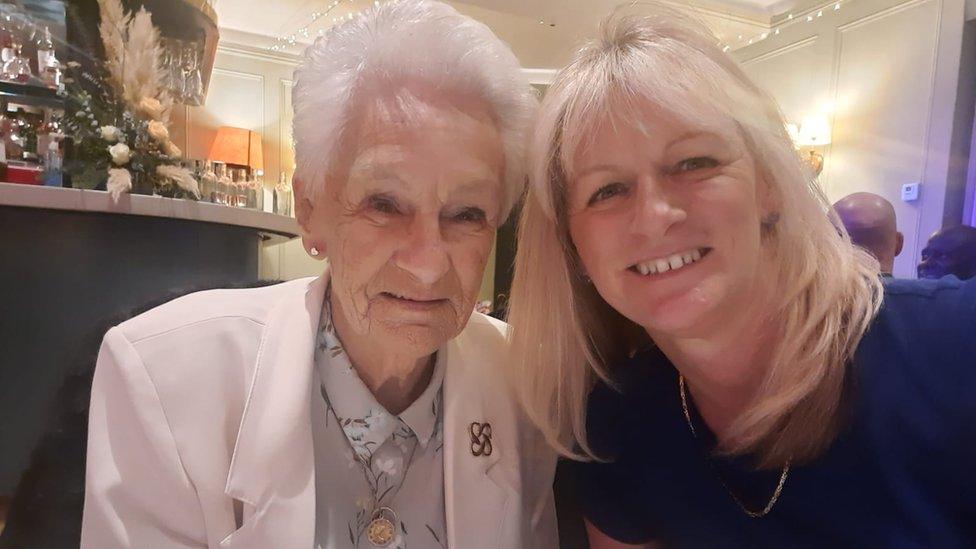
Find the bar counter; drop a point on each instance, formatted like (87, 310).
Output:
(71, 260)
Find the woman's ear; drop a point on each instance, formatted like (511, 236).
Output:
(303, 206)
(770, 201)
(303, 213)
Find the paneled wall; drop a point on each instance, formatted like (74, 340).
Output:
(886, 74)
(251, 88)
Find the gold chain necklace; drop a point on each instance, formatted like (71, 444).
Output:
(782, 477)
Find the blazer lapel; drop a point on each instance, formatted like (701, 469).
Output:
(479, 475)
(272, 470)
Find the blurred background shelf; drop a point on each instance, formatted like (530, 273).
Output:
(30, 95)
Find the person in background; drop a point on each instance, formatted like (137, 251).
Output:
(688, 320)
(950, 251)
(870, 222)
(366, 407)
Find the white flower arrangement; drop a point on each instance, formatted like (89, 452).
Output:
(120, 153)
(158, 131)
(121, 113)
(110, 134)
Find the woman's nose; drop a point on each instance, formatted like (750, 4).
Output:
(423, 253)
(655, 208)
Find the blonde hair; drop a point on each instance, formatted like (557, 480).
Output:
(394, 42)
(565, 337)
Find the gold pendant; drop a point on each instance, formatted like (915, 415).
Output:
(381, 531)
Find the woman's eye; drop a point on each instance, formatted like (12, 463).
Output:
(382, 204)
(697, 163)
(470, 215)
(607, 191)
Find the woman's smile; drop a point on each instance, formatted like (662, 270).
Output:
(669, 263)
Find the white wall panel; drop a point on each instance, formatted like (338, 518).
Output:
(884, 72)
(880, 133)
(800, 93)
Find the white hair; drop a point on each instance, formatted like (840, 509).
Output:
(415, 40)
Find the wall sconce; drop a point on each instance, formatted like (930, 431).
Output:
(812, 134)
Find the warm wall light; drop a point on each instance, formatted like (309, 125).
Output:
(813, 132)
(238, 146)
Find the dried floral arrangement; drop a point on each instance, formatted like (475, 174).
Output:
(119, 118)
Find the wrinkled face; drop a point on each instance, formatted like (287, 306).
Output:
(407, 223)
(666, 222)
(949, 252)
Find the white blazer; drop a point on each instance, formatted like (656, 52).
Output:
(200, 430)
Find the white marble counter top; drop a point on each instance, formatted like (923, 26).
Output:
(275, 228)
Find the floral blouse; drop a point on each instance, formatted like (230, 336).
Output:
(367, 459)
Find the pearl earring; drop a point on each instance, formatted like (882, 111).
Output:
(314, 251)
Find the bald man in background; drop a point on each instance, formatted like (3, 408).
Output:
(870, 220)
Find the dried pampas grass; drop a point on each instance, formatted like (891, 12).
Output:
(112, 29)
(132, 58)
(181, 176)
(119, 181)
(142, 74)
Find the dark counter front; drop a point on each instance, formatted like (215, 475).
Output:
(64, 274)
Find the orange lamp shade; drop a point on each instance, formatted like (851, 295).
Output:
(237, 146)
(255, 156)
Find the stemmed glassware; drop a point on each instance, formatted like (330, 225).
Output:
(181, 60)
(192, 78)
(16, 25)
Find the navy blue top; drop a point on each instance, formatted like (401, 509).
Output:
(901, 474)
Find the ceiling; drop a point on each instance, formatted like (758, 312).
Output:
(543, 33)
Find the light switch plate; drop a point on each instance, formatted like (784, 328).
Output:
(909, 191)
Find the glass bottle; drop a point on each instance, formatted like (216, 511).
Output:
(241, 188)
(223, 182)
(208, 182)
(6, 38)
(282, 196)
(17, 69)
(255, 196)
(13, 139)
(45, 49)
(52, 164)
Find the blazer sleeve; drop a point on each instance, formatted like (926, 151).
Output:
(137, 493)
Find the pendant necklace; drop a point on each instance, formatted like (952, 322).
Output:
(382, 527)
(381, 531)
(782, 477)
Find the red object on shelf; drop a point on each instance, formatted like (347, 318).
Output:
(27, 175)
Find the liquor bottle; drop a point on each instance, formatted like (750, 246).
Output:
(45, 49)
(208, 182)
(282, 195)
(48, 65)
(52, 165)
(6, 38)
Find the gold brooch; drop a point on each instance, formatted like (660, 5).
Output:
(480, 439)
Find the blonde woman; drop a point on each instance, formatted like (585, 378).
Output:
(687, 312)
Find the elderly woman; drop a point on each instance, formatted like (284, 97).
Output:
(685, 311)
(367, 407)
